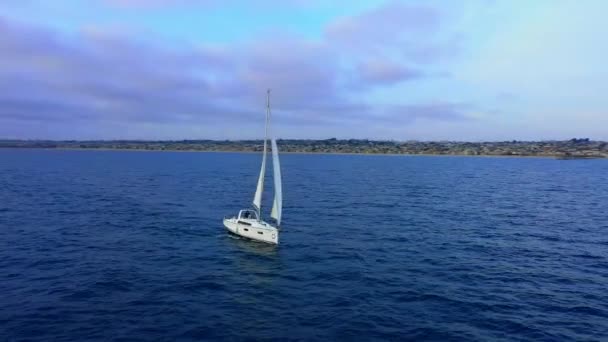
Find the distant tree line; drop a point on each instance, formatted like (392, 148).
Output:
(573, 148)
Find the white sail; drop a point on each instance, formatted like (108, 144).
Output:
(257, 198)
(277, 206)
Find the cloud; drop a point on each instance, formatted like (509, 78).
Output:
(386, 23)
(406, 114)
(395, 29)
(163, 4)
(441, 111)
(385, 72)
(103, 78)
(158, 3)
(111, 77)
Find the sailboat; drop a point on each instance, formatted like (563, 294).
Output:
(248, 223)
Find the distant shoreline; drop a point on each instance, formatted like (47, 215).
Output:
(106, 149)
(565, 149)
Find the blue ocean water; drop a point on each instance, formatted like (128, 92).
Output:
(107, 245)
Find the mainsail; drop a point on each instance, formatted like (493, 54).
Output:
(257, 198)
(277, 206)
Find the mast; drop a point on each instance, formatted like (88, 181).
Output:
(257, 199)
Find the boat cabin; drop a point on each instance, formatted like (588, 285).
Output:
(248, 214)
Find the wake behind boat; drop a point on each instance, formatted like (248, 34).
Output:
(248, 223)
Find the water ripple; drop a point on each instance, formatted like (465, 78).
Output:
(129, 246)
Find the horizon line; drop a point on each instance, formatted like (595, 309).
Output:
(300, 139)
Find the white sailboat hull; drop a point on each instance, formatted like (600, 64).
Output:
(252, 229)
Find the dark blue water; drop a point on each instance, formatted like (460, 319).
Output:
(130, 245)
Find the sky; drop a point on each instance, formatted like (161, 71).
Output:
(470, 70)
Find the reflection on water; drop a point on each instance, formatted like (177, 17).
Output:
(257, 260)
(258, 265)
(253, 247)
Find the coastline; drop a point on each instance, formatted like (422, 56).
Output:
(106, 149)
(559, 149)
